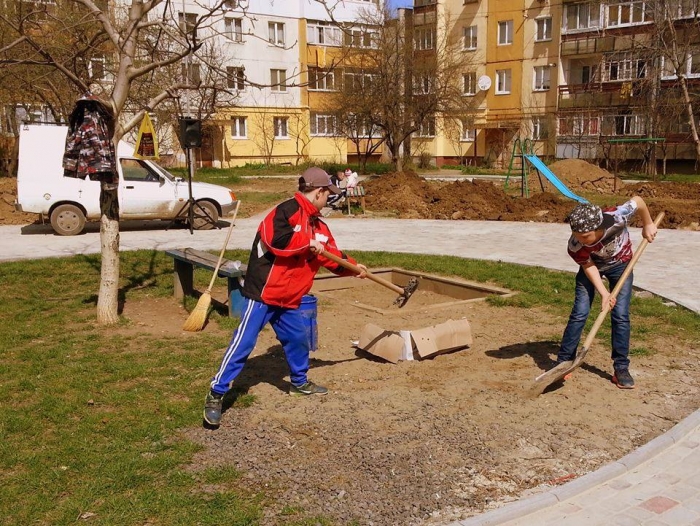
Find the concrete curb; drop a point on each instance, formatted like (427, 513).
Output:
(522, 508)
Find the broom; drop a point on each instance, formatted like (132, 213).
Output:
(198, 316)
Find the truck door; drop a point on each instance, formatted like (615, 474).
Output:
(145, 194)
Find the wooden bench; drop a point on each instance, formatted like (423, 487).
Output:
(187, 259)
(357, 193)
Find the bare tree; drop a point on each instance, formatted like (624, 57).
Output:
(118, 50)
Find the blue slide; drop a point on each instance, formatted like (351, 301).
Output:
(542, 168)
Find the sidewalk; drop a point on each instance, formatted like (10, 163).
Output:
(656, 485)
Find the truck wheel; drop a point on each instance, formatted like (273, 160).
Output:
(67, 220)
(202, 220)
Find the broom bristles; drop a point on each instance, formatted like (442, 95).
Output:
(198, 317)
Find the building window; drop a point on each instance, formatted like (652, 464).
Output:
(581, 16)
(360, 37)
(689, 66)
(469, 80)
(278, 79)
(623, 125)
(424, 37)
(323, 34)
(356, 80)
(322, 125)
(190, 73)
(422, 85)
(503, 77)
(541, 78)
(505, 32)
(321, 79)
(628, 13)
(96, 68)
(469, 37)
(540, 129)
(276, 30)
(426, 128)
(625, 67)
(233, 29)
(544, 29)
(229, 4)
(468, 134)
(238, 127)
(280, 124)
(188, 23)
(579, 125)
(235, 78)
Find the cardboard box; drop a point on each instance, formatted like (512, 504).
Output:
(422, 343)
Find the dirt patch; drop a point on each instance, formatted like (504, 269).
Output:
(429, 441)
(8, 196)
(408, 196)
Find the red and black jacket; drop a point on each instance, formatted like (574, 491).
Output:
(281, 268)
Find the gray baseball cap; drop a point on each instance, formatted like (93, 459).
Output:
(318, 178)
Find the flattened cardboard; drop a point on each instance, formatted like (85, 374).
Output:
(448, 336)
(380, 342)
(394, 346)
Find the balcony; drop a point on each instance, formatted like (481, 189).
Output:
(587, 46)
(593, 95)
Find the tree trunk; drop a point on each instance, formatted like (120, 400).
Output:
(108, 299)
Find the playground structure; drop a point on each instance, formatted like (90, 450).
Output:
(525, 151)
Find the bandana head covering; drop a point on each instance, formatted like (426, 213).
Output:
(585, 217)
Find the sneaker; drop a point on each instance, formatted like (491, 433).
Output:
(309, 388)
(212, 409)
(623, 379)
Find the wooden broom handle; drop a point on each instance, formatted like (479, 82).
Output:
(223, 249)
(344, 263)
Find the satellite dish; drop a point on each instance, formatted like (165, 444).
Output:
(484, 82)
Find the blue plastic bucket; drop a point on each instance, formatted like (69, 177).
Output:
(308, 312)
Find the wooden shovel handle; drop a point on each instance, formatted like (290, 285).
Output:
(606, 308)
(344, 263)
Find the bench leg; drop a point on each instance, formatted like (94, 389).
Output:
(183, 278)
(235, 299)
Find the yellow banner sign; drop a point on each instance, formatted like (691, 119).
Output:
(147, 141)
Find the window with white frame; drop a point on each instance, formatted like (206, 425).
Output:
(233, 29)
(323, 34)
(541, 78)
(322, 125)
(280, 124)
(188, 23)
(629, 13)
(505, 32)
(360, 37)
(97, 68)
(235, 78)
(321, 79)
(278, 79)
(238, 127)
(543, 29)
(360, 128)
(684, 8)
(689, 65)
(355, 80)
(623, 125)
(422, 84)
(540, 128)
(589, 73)
(229, 4)
(424, 37)
(469, 37)
(469, 83)
(503, 78)
(581, 16)
(191, 73)
(426, 128)
(623, 67)
(579, 125)
(468, 134)
(276, 33)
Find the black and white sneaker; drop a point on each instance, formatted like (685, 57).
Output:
(623, 379)
(309, 388)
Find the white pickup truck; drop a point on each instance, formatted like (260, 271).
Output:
(146, 190)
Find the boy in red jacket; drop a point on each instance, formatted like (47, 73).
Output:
(284, 259)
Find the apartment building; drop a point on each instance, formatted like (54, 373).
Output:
(283, 61)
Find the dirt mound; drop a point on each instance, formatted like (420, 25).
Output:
(410, 196)
(664, 190)
(578, 174)
(8, 196)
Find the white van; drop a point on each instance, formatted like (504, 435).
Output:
(146, 190)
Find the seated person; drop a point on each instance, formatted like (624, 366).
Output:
(352, 179)
(334, 201)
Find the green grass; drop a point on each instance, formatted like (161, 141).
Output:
(91, 420)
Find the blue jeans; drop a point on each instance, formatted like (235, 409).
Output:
(620, 317)
(289, 327)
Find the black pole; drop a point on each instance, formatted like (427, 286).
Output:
(190, 200)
